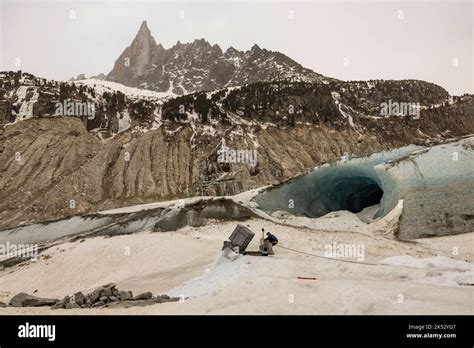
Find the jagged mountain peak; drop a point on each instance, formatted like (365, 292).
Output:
(198, 65)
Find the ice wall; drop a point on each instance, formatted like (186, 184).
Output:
(437, 188)
(196, 213)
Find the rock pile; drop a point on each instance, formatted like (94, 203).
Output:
(105, 296)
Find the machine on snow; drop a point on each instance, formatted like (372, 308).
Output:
(241, 238)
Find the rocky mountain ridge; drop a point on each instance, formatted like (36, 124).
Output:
(199, 66)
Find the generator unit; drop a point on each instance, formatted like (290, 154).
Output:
(239, 239)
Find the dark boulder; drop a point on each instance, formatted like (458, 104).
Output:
(25, 300)
(71, 305)
(98, 304)
(78, 298)
(125, 295)
(104, 299)
(145, 296)
(95, 295)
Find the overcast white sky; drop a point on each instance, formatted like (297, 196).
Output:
(378, 44)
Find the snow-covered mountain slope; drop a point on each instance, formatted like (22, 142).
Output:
(102, 86)
(106, 108)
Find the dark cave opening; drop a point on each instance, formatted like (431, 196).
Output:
(329, 188)
(341, 191)
(358, 193)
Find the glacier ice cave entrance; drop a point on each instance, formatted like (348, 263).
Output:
(341, 185)
(325, 190)
(338, 189)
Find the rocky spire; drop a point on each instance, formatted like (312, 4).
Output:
(136, 57)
